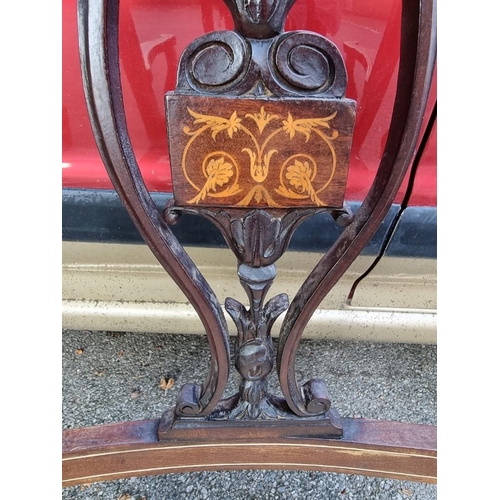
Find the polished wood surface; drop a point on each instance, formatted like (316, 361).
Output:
(369, 447)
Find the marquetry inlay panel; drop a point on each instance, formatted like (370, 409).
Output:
(259, 152)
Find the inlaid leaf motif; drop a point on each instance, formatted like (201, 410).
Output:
(300, 177)
(219, 172)
(262, 118)
(299, 174)
(216, 123)
(305, 125)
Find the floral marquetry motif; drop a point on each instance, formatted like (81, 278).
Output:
(254, 153)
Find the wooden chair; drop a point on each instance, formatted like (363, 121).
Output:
(259, 133)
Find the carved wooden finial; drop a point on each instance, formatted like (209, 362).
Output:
(259, 18)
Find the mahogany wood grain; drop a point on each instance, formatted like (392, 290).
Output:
(369, 447)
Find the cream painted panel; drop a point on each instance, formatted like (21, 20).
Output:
(122, 287)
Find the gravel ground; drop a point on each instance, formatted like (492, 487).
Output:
(111, 377)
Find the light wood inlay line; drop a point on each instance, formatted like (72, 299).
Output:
(280, 445)
(248, 464)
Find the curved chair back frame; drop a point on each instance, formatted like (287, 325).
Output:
(254, 429)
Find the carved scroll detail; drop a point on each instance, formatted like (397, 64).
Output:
(215, 63)
(307, 63)
(256, 237)
(259, 59)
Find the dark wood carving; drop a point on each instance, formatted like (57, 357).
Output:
(260, 132)
(259, 124)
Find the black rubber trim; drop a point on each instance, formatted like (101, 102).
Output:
(415, 234)
(96, 215)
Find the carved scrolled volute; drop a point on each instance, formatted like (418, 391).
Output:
(217, 62)
(188, 400)
(259, 59)
(306, 63)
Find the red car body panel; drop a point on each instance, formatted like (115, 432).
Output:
(153, 34)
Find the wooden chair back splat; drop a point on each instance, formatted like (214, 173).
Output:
(259, 132)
